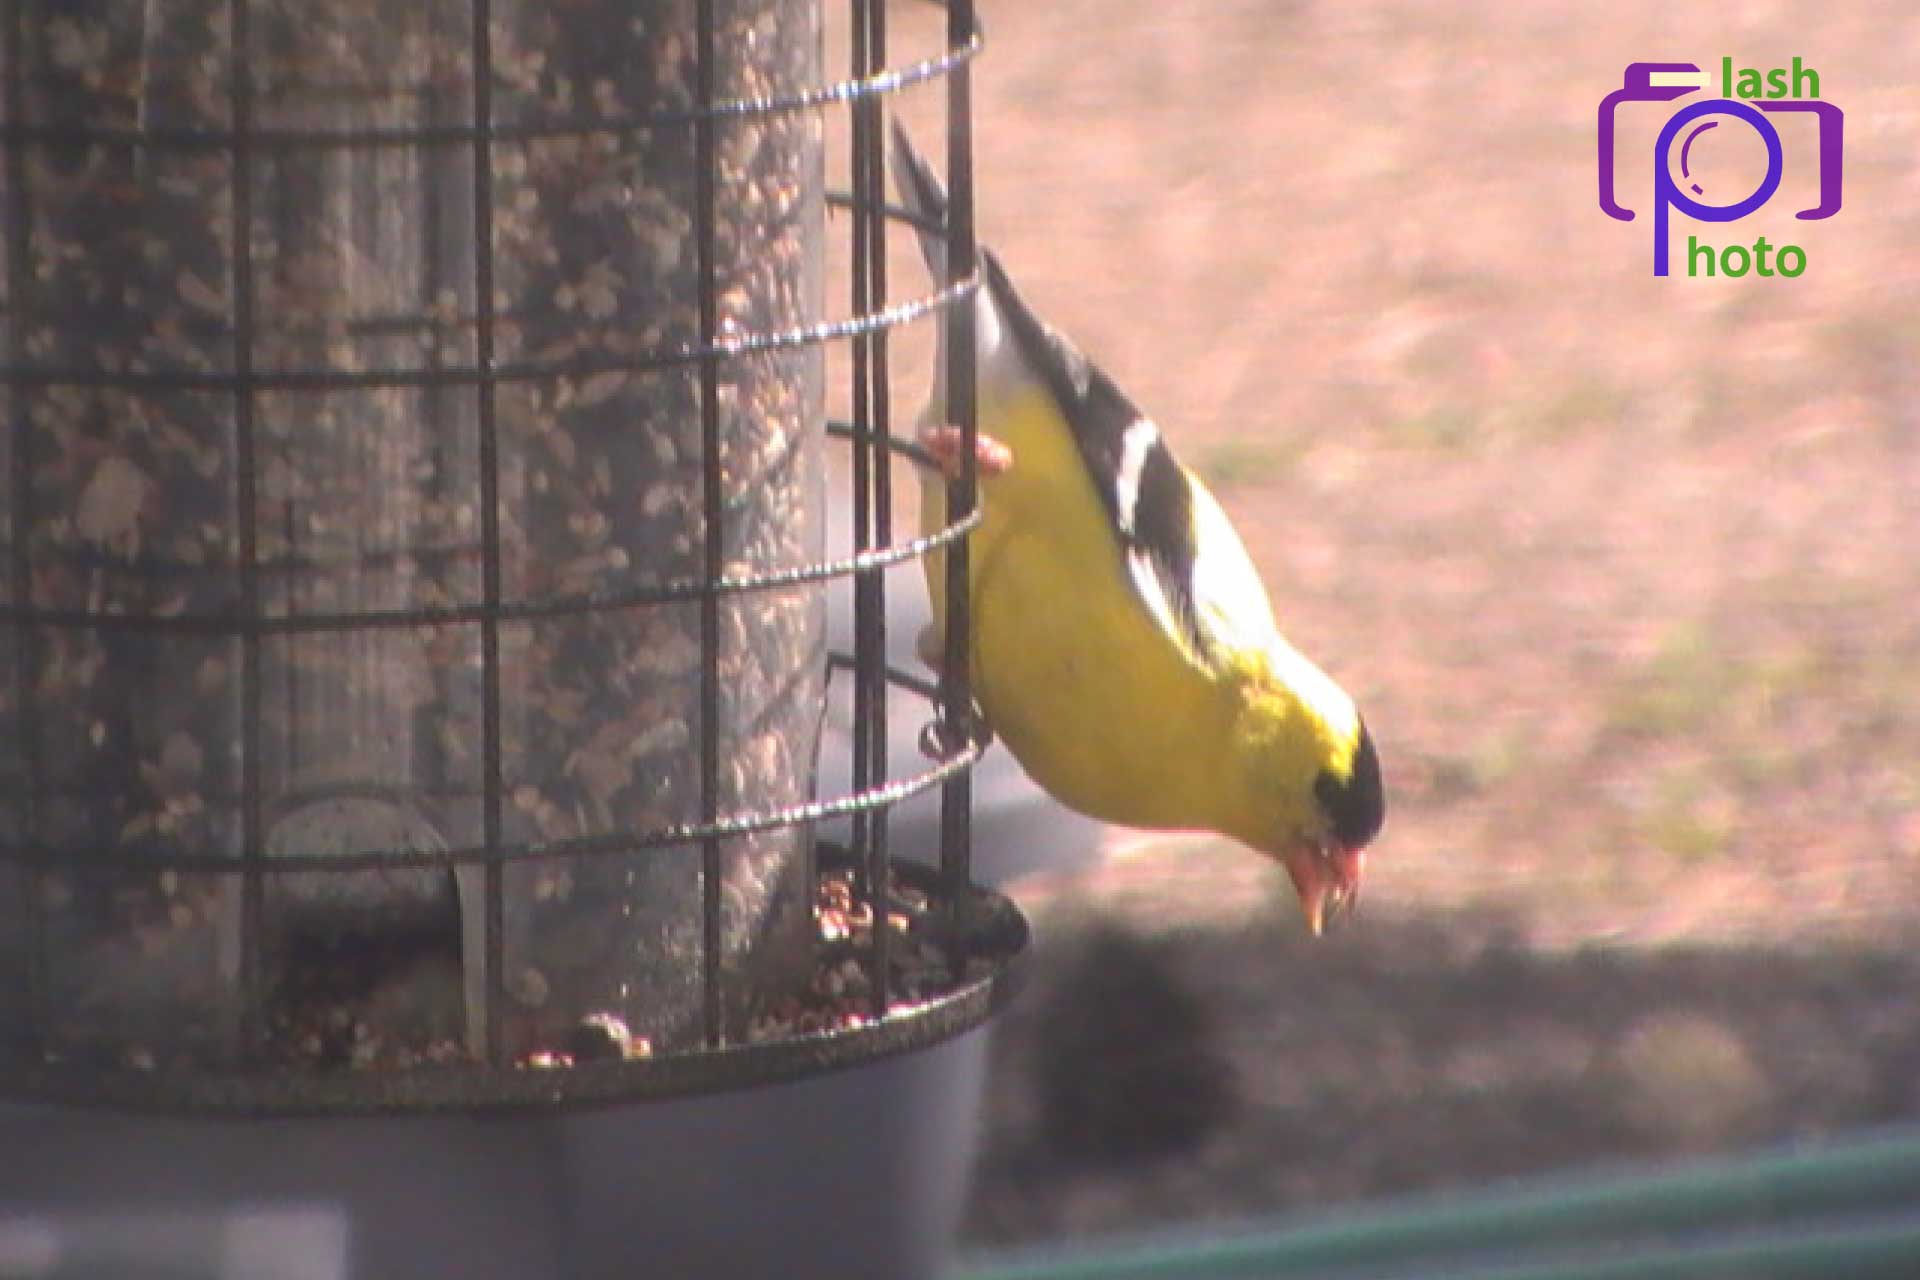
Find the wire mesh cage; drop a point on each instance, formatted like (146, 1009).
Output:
(414, 617)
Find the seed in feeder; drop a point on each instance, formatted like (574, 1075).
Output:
(657, 499)
(600, 387)
(599, 1037)
(530, 987)
(591, 527)
(108, 512)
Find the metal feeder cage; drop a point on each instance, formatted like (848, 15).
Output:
(414, 619)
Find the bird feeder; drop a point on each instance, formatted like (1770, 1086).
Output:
(412, 633)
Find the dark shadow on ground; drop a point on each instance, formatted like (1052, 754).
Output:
(1268, 1072)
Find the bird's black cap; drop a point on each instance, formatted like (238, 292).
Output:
(1356, 805)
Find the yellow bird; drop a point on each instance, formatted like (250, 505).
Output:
(1123, 647)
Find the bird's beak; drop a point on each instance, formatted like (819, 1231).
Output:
(1327, 878)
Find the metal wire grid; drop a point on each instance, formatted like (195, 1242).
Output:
(875, 550)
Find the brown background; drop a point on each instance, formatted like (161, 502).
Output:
(1622, 570)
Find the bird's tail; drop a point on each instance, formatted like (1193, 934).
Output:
(925, 198)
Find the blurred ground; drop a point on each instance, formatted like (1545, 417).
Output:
(1622, 570)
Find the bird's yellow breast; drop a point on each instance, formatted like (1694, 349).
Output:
(1099, 706)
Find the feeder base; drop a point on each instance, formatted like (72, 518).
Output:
(857, 1172)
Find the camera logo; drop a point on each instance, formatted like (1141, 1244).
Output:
(1747, 96)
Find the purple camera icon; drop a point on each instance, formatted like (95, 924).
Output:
(1666, 81)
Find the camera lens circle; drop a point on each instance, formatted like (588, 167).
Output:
(1668, 191)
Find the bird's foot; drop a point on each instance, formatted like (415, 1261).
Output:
(990, 457)
(942, 739)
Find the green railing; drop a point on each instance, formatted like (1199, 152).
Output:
(1839, 1211)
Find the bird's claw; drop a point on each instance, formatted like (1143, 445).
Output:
(941, 740)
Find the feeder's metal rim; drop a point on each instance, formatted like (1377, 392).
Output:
(34, 854)
(731, 346)
(535, 129)
(597, 1084)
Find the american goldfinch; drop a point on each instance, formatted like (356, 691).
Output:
(1123, 647)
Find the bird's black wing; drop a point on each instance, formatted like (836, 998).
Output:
(1143, 488)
